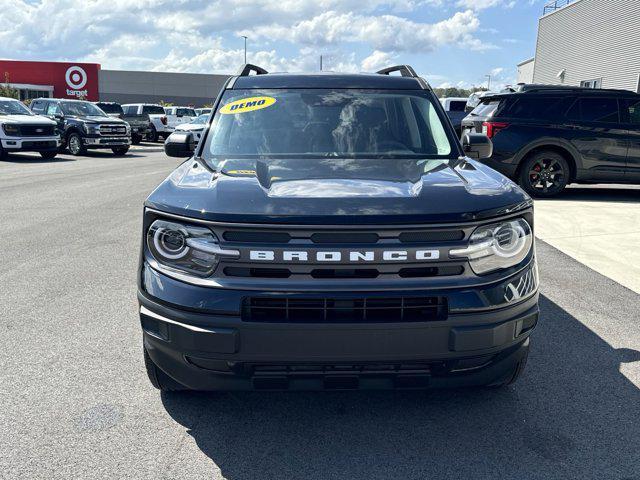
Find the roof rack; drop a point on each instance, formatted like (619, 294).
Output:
(247, 68)
(405, 71)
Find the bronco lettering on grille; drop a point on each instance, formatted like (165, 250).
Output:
(337, 256)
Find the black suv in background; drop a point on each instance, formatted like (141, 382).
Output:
(547, 137)
(140, 124)
(84, 126)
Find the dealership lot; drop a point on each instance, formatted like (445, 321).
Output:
(77, 403)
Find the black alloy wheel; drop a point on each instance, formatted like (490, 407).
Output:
(544, 174)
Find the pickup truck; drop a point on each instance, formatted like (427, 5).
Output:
(159, 127)
(140, 124)
(454, 106)
(179, 115)
(23, 131)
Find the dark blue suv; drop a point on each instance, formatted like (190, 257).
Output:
(330, 232)
(547, 137)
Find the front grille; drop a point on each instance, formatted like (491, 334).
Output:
(341, 310)
(343, 272)
(36, 130)
(113, 130)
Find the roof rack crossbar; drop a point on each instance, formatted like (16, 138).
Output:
(405, 71)
(247, 68)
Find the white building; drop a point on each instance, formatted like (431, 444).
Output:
(591, 43)
(525, 71)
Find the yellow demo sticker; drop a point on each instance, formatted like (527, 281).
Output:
(247, 105)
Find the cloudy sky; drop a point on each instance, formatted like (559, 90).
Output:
(451, 42)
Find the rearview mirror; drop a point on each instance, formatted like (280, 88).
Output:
(477, 145)
(179, 144)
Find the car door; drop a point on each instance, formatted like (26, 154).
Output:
(54, 112)
(599, 136)
(630, 110)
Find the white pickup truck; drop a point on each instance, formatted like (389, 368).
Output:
(160, 127)
(179, 115)
(21, 130)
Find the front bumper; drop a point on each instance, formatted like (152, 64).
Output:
(106, 142)
(218, 350)
(30, 144)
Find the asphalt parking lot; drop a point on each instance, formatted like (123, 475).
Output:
(76, 402)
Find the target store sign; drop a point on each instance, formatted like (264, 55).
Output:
(69, 80)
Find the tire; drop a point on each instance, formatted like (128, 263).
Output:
(544, 174)
(158, 378)
(49, 155)
(120, 151)
(75, 146)
(136, 139)
(153, 134)
(3, 154)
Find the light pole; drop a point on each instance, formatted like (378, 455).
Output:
(245, 48)
(488, 82)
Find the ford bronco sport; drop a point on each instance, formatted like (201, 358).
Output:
(330, 232)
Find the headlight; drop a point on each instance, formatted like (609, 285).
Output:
(496, 246)
(10, 129)
(91, 128)
(183, 247)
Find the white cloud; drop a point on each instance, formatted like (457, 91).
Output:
(483, 4)
(377, 61)
(202, 36)
(388, 33)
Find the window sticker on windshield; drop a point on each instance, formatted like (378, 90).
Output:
(247, 105)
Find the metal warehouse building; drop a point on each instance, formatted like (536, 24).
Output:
(590, 43)
(89, 81)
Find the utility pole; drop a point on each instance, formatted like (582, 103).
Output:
(488, 82)
(320, 62)
(245, 48)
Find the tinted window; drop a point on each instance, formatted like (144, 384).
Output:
(37, 107)
(322, 123)
(536, 107)
(189, 112)
(153, 109)
(595, 110)
(486, 108)
(457, 106)
(110, 108)
(53, 109)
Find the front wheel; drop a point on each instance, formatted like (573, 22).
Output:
(120, 150)
(153, 134)
(75, 146)
(544, 174)
(49, 155)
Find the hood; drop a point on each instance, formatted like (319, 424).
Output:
(337, 191)
(27, 119)
(191, 127)
(98, 119)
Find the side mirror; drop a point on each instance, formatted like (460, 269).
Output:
(179, 144)
(58, 116)
(477, 145)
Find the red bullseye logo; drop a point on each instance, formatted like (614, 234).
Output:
(76, 77)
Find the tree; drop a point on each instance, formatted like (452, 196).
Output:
(7, 90)
(166, 104)
(456, 92)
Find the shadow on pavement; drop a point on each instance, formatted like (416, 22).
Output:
(572, 415)
(13, 158)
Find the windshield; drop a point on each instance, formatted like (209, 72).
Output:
(13, 107)
(81, 109)
(153, 110)
(113, 108)
(327, 123)
(201, 119)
